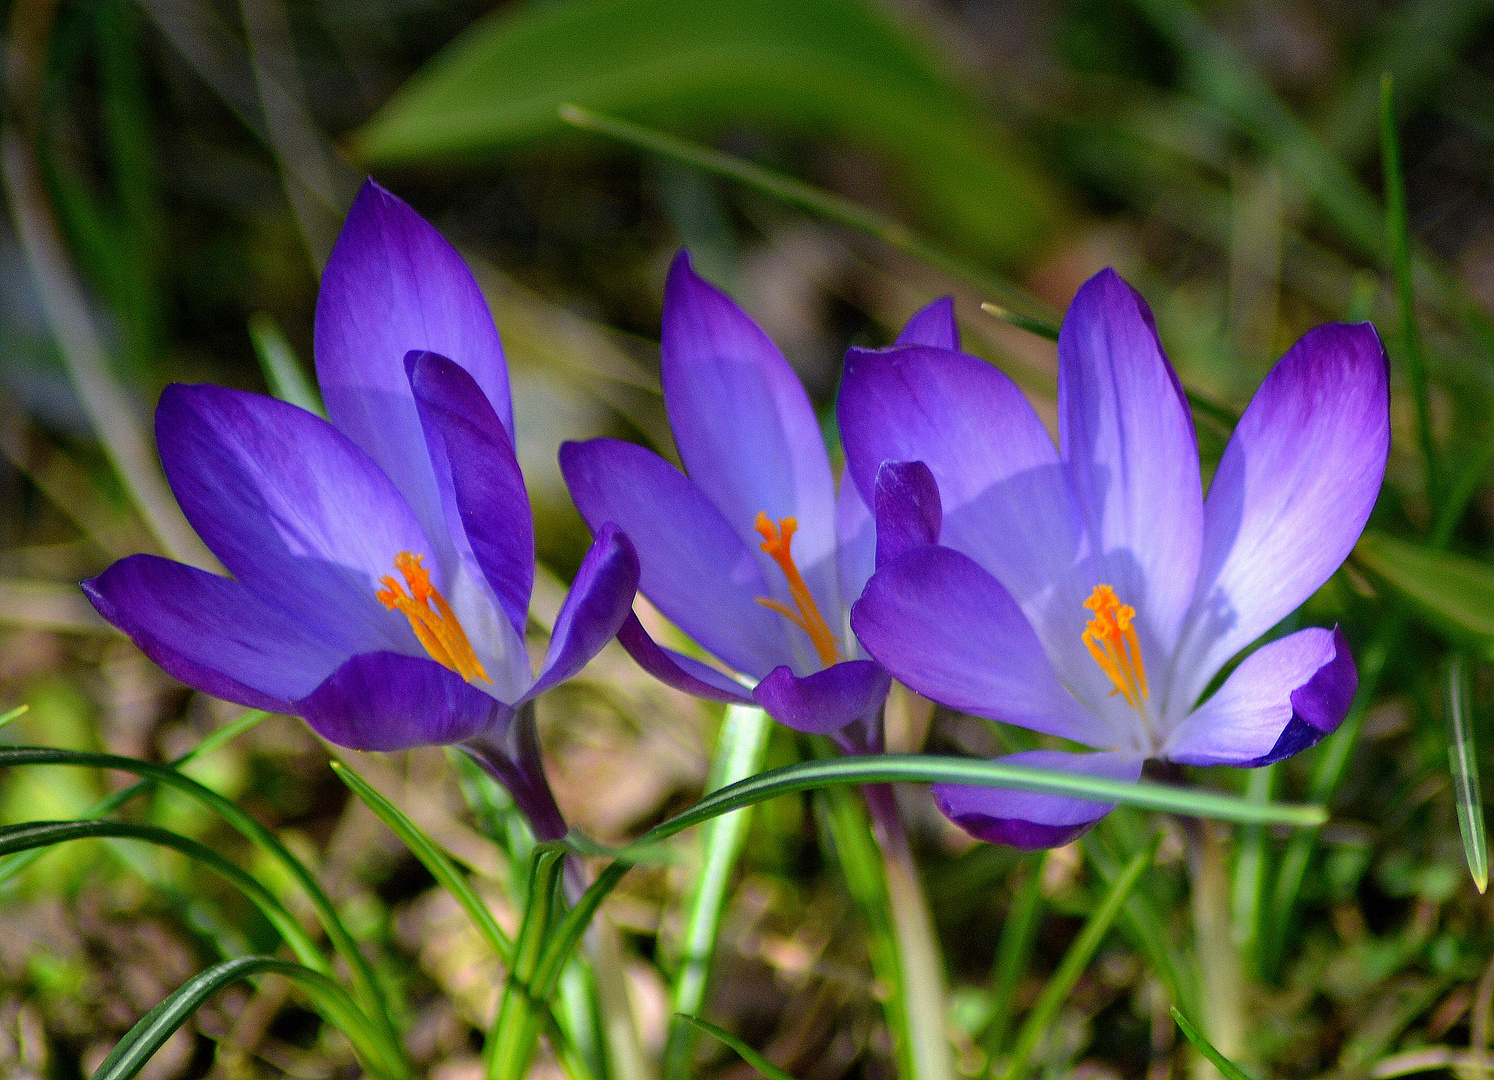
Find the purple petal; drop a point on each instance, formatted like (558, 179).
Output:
(469, 441)
(511, 753)
(393, 285)
(857, 533)
(933, 325)
(601, 598)
(293, 509)
(826, 701)
(212, 633)
(1132, 455)
(676, 669)
(1030, 819)
(944, 626)
(1006, 497)
(695, 568)
(745, 429)
(909, 513)
(387, 701)
(1291, 495)
(1282, 698)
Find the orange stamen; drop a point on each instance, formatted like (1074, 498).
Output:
(1113, 643)
(437, 628)
(777, 540)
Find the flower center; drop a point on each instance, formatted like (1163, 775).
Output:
(776, 542)
(1113, 643)
(431, 618)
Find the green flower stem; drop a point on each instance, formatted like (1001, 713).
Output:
(1222, 989)
(924, 993)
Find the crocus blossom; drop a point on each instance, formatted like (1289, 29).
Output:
(1089, 590)
(382, 562)
(750, 551)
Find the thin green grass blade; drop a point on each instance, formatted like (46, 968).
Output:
(1040, 1018)
(34, 835)
(1037, 327)
(140, 1043)
(284, 373)
(1228, 1068)
(14, 865)
(814, 200)
(364, 980)
(511, 1043)
(747, 1054)
(1013, 951)
(432, 858)
(1452, 593)
(1251, 865)
(13, 714)
(739, 754)
(1462, 754)
(1398, 225)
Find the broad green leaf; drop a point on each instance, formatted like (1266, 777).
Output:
(1454, 593)
(842, 67)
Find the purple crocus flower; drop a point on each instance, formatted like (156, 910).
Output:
(1089, 590)
(382, 563)
(752, 554)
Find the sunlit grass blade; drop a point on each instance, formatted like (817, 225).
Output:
(283, 371)
(1228, 1068)
(432, 858)
(131, 1054)
(364, 980)
(1014, 950)
(515, 1032)
(1398, 225)
(1057, 990)
(13, 714)
(739, 754)
(824, 204)
(1251, 865)
(1038, 327)
(747, 1054)
(1462, 754)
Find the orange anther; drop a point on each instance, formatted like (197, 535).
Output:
(1112, 641)
(777, 542)
(436, 627)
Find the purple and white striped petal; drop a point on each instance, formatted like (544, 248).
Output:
(1030, 819)
(1282, 698)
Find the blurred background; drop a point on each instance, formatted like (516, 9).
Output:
(175, 172)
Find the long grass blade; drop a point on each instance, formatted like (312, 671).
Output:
(825, 204)
(739, 754)
(13, 714)
(1040, 1018)
(1226, 1067)
(1251, 865)
(131, 1054)
(1462, 754)
(1398, 225)
(747, 1054)
(283, 370)
(1013, 951)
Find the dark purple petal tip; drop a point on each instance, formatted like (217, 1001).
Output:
(909, 513)
(1318, 706)
(1026, 835)
(825, 701)
(933, 325)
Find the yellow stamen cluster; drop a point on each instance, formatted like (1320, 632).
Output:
(1112, 641)
(431, 618)
(777, 540)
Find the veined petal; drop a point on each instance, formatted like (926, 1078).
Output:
(601, 598)
(1004, 491)
(825, 701)
(391, 286)
(293, 509)
(1128, 442)
(468, 439)
(388, 701)
(933, 325)
(213, 633)
(745, 429)
(1291, 495)
(1282, 698)
(676, 669)
(1030, 819)
(946, 628)
(695, 567)
(909, 513)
